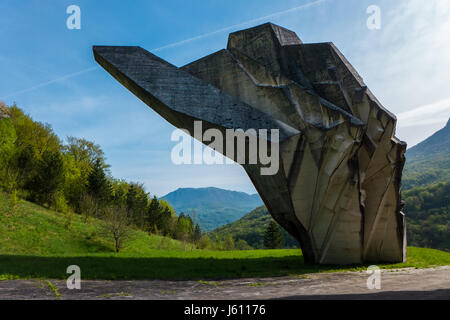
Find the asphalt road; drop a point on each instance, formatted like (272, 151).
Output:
(395, 284)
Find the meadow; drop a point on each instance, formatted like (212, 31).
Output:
(36, 243)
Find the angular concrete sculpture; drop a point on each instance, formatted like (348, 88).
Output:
(338, 187)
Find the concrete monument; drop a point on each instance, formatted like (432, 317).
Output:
(337, 190)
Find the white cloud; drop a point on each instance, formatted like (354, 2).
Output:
(434, 113)
(47, 83)
(406, 63)
(242, 25)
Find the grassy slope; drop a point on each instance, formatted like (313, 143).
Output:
(33, 230)
(34, 243)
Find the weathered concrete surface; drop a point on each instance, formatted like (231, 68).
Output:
(338, 188)
(4, 112)
(395, 284)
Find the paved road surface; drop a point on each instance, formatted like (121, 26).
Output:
(395, 284)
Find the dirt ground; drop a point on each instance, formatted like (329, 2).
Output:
(395, 284)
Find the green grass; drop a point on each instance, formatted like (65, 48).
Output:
(53, 289)
(180, 265)
(34, 243)
(33, 230)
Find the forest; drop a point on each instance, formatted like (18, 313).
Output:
(428, 216)
(73, 177)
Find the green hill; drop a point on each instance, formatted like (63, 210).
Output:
(251, 228)
(427, 215)
(426, 191)
(212, 207)
(429, 161)
(32, 230)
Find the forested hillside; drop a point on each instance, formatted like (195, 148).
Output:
(426, 191)
(251, 228)
(212, 207)
(428, 216)
(73, 176)
(429, 161)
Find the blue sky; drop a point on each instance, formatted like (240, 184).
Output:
(49, 70)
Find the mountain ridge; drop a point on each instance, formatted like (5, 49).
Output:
(428, 162)
(212, 207)
(432, 144)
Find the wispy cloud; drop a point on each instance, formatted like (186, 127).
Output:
(407, 61)
(434, 113)
(176, 44)
(406, 65)
(241, 25)
(44, 84)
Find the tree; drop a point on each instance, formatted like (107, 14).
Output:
(205, 243)
(79, 158)
(47, 179)
(184, 228)
(39, 135)
(136, 200)
(7, 148)
(99, 186)
(228, 243)
(273, 238)
(86, 153)
(167, 222)
(88, 206)
(241, 244)
(131, 198)
(20, 168)
(154, 215)
(116, 225)
(197, 235)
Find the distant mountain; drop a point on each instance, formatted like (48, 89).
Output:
(429, 161)
(437, 144)
(212, 207)
(251, 228)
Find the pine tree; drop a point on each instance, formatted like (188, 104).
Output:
(166, 222)
(197, 233)
(154, 216)
(131, 198)
(48, 179)
(99, 186)
(273, 238)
